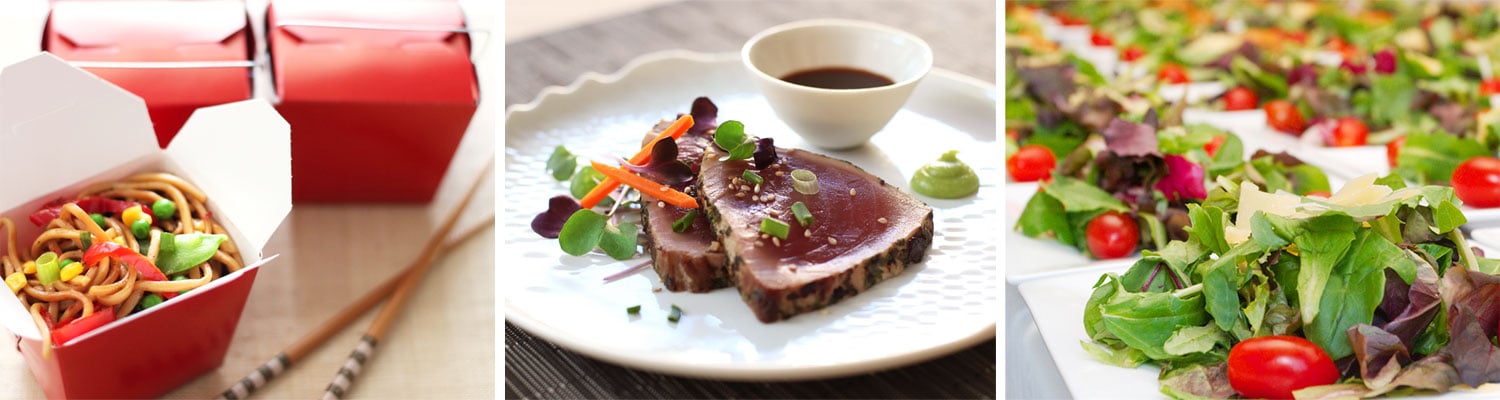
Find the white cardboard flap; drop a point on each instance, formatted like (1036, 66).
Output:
(51, 119)
(240, 154)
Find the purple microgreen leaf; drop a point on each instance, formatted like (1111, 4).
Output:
(1419, 303)
(1473, 300)
(1151, 119)
(1127, 138)
(549, 223)
(765, 153)
(1184, 180)
(664, 166)
(705, 116)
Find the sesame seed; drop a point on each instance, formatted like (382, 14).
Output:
(776, 241)
(851, 191)
(833, 241)
(745, 187)
(657, 290)
(661, 204)
(763, 236)
(664, 189)
(807, 233)
(794, 268)
(881, 220)
(739, 195)
(780, 173)
(757, 188)
(774, 213)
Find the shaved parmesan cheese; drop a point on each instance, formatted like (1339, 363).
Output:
(1251, 200)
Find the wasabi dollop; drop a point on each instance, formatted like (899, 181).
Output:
(946, 178)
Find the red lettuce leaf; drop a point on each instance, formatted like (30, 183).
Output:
(1127, 138)
(1473, 300)
(705, 116)
(1410, 308)
(1378, 353)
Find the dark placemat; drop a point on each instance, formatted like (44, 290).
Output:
(962, 36)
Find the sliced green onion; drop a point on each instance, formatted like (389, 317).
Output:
(774, 227)
(682, 224)
(805, 182)
(86, 239)
(675, 315)
(752, 177)
(804, 216)
(633, 310)
(47, 269)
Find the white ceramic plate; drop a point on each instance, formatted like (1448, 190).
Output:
(1057, 301)
(948, 303)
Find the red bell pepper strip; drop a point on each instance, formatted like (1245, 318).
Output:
(92, 205)
(73, 329)
(125, 254)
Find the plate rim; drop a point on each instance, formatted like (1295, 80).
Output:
(729, 372)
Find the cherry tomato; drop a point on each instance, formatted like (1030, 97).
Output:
(1132, 53)
(1031, 162)
(1283, 116)
(1213, 146)
(1296, 36)
(1393, 149)
(1319, 193)
(1350, 131)
(1100, 39)
(1489, 87)
(1112, 235)
(1173, 73)
(1272, 367)
(1240, 98)
(1069, 20)
(1477, 182)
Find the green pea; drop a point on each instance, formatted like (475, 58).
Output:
(141, 229)
(151, 300)
(98, 220)
(87, 240)
(164, 209)
(181, 278)
(64, 263)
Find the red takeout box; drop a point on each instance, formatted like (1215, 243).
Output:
(177, 55)
(236, 153)
(378, 93)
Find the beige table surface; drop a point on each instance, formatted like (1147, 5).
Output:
(441, 347)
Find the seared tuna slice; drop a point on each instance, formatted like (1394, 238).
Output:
(863, 231)
(691, 260)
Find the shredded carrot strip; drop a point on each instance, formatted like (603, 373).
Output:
(648, 187)
(608, 185)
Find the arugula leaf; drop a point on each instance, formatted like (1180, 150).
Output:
(1077, 195)
(1353, 291)
(1195, 339)
(1431, 157)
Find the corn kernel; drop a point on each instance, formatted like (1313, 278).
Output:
(130, 215)
(81, 280)
(120, 240)
(71, 271)
(15, 281)
(29, 268)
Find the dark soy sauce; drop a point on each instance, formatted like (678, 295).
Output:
(837, 78)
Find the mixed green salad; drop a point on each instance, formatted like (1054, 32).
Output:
(1372, 291)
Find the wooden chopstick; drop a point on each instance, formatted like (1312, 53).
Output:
(366, 347)
(294, 353)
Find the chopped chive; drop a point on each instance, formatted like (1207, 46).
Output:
(752, 177)
(682, 224)
(633, 310)
(675, 315)
(774, 227)
(804, 216)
